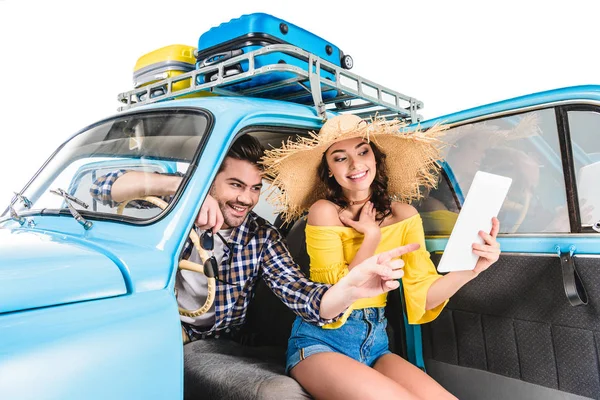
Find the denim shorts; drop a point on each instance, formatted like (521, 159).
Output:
(362, 337)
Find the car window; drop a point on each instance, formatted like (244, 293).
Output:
(439, 208)
(264, 208)
(523, 147)
(87, 176)
(584, 127)
(271, 139)
(159, 142)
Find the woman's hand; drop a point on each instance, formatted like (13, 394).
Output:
(366, 224)
(489, 252)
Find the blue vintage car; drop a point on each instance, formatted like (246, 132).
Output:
(87, 303)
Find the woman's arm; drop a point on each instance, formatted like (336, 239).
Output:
(367, 249)
(445, 287)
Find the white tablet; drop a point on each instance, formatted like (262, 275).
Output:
(483, 202)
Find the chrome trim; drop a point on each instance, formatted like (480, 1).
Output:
(549, 235)
(513, 111)
(535, 254)
(529, 235)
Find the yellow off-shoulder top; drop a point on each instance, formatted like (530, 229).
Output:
(332, 248)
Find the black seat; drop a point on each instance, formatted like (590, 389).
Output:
(282, 226)
(226, 370)
(269, 321)
(296, 240)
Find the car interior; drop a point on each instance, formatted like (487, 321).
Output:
(509, 334)
(259, 361)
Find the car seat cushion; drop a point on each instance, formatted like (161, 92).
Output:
(224, 369)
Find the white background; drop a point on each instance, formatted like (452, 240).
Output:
(63, 63)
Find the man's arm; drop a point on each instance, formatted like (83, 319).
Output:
(372, 277)
(118, 186)
(135, 184)
(101, 188)
(121, 185)
(285, 279)
(321, 303)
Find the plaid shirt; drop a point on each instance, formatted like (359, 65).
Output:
(258, 251)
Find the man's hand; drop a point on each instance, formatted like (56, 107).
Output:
(210, 215)
(378, 274)
(374, 276)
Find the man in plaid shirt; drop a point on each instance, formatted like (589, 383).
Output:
(248, 247)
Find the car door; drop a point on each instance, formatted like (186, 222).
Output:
(529, 326)
(89, 312)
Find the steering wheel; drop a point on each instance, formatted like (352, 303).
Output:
(185, 264)
(520, 208)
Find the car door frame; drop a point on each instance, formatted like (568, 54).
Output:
(580, 243)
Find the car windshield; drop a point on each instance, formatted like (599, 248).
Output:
(163, 142)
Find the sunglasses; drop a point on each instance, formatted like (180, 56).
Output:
(211, 266)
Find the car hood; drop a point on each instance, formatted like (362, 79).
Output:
(40, 269)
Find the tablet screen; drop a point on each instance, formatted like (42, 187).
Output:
(483, 202)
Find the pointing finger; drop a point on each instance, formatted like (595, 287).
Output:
(397, 252)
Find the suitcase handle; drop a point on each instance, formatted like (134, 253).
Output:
(220, 57)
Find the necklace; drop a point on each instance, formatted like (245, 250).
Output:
(357, 202)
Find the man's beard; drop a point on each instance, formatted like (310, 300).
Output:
(231, 221)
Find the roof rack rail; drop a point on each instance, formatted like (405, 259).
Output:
(348, 93)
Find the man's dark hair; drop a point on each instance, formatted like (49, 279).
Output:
(246, 148)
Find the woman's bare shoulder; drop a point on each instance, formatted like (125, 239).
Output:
(324, 213)
(400, 212)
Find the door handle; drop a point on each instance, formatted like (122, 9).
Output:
(572, 283)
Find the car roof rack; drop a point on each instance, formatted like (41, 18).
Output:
(348, 93)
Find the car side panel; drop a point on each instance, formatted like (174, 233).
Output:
(515, 321)
(119, 348)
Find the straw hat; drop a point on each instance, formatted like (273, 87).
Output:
(411, 161)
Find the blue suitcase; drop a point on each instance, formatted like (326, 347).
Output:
(254, 31)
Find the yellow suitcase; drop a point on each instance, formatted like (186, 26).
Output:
(163, 63)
